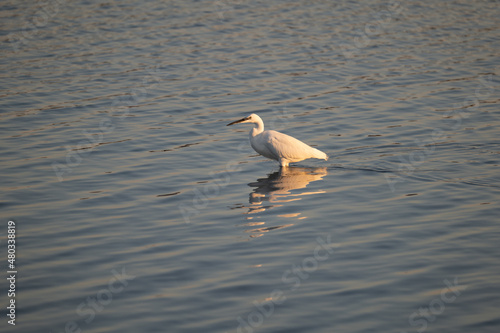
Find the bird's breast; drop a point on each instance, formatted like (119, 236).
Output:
(260, 145)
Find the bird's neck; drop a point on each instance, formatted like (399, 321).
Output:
(257, 129)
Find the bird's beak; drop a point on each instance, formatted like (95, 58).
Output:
(237, 121)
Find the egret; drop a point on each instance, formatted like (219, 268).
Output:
(278, 146)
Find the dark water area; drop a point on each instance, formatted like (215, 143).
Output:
(137, 210)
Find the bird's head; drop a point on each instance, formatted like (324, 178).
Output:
(253, 118)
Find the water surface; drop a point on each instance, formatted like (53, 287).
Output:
(138, 210)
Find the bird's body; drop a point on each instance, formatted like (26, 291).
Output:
(278, 146)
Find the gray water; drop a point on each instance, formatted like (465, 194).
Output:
(138, 210)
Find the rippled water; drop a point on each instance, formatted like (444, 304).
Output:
(138, 210)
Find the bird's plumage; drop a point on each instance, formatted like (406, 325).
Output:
(278, 146)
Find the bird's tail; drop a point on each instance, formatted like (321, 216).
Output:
(320, 155)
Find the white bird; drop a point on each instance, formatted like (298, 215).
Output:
(278, 146)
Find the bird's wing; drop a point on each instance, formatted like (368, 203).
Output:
(285, 146)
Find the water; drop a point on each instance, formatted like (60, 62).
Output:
(138, 210)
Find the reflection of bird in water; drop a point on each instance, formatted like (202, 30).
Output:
(276, 189)
(277, 186)
(278, 146)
